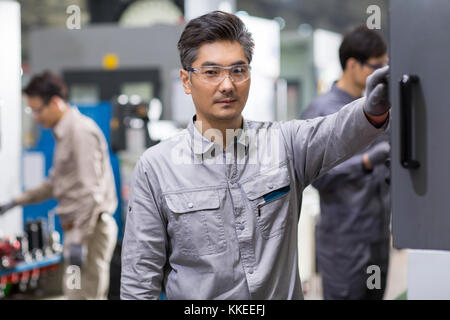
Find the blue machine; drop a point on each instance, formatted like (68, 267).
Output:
(101, 114)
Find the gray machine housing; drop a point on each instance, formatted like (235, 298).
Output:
(155, 47)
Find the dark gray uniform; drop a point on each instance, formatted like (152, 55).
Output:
(353, 229)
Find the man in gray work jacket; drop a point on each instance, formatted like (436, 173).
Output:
(213, 211)
(352, 233)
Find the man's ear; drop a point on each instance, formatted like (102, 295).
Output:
(351, 63)
(184, 75)
(58, 102)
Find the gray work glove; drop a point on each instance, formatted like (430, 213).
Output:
(377, 102)
(77, 254)
(379, 153)
(7, 206)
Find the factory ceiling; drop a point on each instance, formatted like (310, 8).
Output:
(334, 15)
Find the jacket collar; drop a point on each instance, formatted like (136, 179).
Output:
(62, 127)
(202, 145)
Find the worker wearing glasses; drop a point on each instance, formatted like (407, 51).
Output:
(353, 226)
(213, 212)
(82, 182)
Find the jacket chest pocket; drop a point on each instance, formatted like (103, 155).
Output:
(269, 196)
(198, 222)
(63, 161)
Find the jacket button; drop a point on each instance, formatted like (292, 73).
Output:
(270, 186)
(190, 205)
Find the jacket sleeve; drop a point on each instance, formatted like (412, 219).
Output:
(317, 145)
(145, 242)
(41, 193)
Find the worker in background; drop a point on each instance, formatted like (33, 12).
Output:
(213, 213)
(353, 229)
(82, 182)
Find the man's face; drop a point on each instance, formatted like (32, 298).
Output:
(43, 114)
(363, 70)
(222, 101)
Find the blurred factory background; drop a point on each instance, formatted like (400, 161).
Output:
(121, 66)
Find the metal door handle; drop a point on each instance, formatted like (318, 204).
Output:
(406, 121)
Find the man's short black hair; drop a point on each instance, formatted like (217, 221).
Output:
(211, 27)
(361, 43)
(46, 85)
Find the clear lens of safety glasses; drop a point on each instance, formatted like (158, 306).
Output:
(216, 74)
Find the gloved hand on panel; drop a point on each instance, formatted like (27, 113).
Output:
(377, 102)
